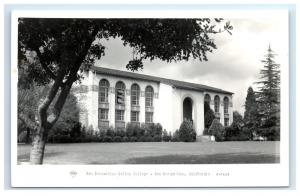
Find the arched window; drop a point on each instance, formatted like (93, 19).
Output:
(103, 121)
(120, 104)
(135, 101)
(226, 104)
(120, 93)
(103, 90)
(217, 104)
(135, 95)
(149, 103)
(149, 96)
(207, 98)
(226, 116)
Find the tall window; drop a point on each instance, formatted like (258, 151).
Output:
(149, 117)
(149, 96)
(103, 114)
(217, 104)
(119, 115)
(135, 95)
(135, 116)
(103, 90)
(226, 103)
(120, 93)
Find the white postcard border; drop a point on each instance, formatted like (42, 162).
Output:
(240, 175)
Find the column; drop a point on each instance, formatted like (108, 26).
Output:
(142, 107)
(111, 100)
(127, 106)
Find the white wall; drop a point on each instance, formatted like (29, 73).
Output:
(165, 107)
(168, 106)
(93, 82)
(198, 108)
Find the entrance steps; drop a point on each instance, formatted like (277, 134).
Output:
(205, 138)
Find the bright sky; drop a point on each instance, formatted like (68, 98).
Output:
(234, 66)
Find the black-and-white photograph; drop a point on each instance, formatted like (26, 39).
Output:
(95, 91)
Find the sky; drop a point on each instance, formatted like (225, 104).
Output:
(234, 66)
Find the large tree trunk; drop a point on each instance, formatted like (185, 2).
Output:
(46, 123)
(38, 146)
(46, 120)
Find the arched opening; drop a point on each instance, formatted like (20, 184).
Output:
(226, 113)
(120, 104)
(206, 103)
(149, 92)
(188, 109)
(103, 110)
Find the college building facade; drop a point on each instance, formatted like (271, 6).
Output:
(109, 97)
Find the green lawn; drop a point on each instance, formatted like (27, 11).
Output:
(157, 153)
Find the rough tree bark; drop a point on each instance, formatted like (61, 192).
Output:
(47, 121)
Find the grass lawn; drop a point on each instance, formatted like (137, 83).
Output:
(157, 153)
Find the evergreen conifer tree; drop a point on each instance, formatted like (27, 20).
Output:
(268, 97)
(251, 110)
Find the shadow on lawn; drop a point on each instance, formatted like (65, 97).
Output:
(229, 158)
(26, 157)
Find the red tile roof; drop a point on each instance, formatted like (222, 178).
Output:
(174, 83)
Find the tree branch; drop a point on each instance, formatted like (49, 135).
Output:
(66, 86)
(46, 68)
(81, 57)
(42, 109)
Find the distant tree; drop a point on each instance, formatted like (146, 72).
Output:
(61, 48)
(268, 97)
(238, 119)
(251, 114)
(209, 115)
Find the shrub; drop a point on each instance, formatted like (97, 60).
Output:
(139, 132)
(165, 136)
(76, 130)
(216, 129)
(142, 139)
(149, 138)
(205, 131)
(157, 129)
(120, 132)
(132, 129)
(90, 130)
(62, 139)
(133, 139)
(187, 132)
(125, 139)
(175, 136)
(157, 138)
(271, 133)
(107, 139)
(117, 139)
(88, 138)
(110, 132)
(77, 140)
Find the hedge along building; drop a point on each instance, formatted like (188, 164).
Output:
(109, 97)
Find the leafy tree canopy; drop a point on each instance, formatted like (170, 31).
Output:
(62, 44)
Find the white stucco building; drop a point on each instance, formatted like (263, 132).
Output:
(109, 97)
